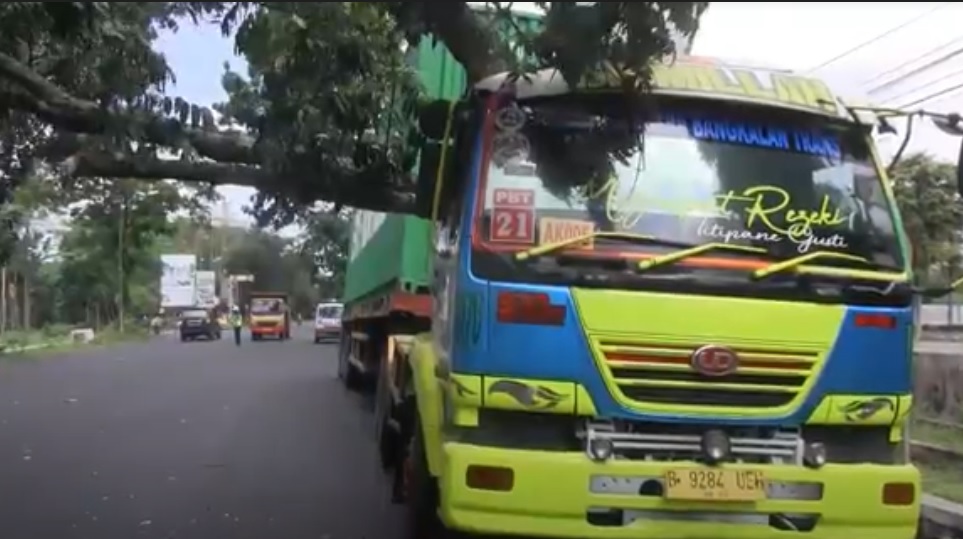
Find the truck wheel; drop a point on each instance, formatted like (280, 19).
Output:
(346, 372)
(342, 357)
(421, 492)
(386, 435)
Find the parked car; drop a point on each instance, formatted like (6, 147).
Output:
(327, 322)
(196, 323)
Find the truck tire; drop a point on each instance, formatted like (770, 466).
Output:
(421, 492)
(349, 376)
(386, 435)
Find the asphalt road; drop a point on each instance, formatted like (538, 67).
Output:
(196, 440)
(182, 441)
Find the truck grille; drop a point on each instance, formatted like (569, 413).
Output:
(660, 373)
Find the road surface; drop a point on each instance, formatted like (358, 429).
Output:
(181, 441)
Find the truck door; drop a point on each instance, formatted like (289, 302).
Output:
(444, 264)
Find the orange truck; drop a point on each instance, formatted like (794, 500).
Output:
(269, 316)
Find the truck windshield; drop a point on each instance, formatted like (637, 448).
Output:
(790, 185)
(265, 306)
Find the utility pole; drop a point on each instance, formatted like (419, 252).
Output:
(121, 229)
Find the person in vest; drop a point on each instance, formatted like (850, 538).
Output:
(236, 324)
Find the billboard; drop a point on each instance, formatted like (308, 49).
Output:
(205, 289)
(178, 280)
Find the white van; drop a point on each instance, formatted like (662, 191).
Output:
(327, 322)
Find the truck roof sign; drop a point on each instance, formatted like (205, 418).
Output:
(750, 84)
(698, 78)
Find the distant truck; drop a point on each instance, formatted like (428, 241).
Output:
(269, 316)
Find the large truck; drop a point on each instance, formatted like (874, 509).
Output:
(269, 316)
(689, 319)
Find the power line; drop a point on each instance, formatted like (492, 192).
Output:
(865, 44)
(951, 90)
(907, 63)
(928, 65)
(924, 86)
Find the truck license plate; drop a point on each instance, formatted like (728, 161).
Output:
(710, 484)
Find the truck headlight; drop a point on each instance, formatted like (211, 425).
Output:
(600, 449)
(716, 447)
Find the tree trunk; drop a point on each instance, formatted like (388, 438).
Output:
(13, 301)
(27, 293)
(3, 300)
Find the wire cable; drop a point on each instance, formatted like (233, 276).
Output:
(930, 84)
(952, 90)
(869, 42)
(911, 61)
(928, 65)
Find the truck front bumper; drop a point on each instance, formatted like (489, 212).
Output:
(554, 493)
(267, 330)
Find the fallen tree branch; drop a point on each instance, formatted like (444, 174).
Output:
(350, 190)
(53, 105)
(83, 125)
(465, 35)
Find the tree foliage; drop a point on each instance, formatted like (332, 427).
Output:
(110, 247)
(78, 281)
(325, 244)
(325, 111)
(932, 215)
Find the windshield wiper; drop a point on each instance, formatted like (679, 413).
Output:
(696, 250)
(797, 264)
(575, 240)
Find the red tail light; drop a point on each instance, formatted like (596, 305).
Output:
(878, 321)
(529, 308)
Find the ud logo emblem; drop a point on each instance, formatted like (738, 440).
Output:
(714, 361)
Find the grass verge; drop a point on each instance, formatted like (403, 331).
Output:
(942, 474)
(942, 479)
(29, 345)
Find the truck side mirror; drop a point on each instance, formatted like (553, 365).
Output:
(951, 124)
(959, 170)
(427, 176)
(432, 118)
(436, 119)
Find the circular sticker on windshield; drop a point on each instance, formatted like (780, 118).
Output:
(509, 118)
(508, 147)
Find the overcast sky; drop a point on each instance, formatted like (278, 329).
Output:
(804, 35)
(799, 36)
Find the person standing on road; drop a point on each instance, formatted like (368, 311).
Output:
(236, 324)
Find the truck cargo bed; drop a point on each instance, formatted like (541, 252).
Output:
(392, 250)
(396, 254)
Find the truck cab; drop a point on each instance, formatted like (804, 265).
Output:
(269, 316)
(685, 317)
